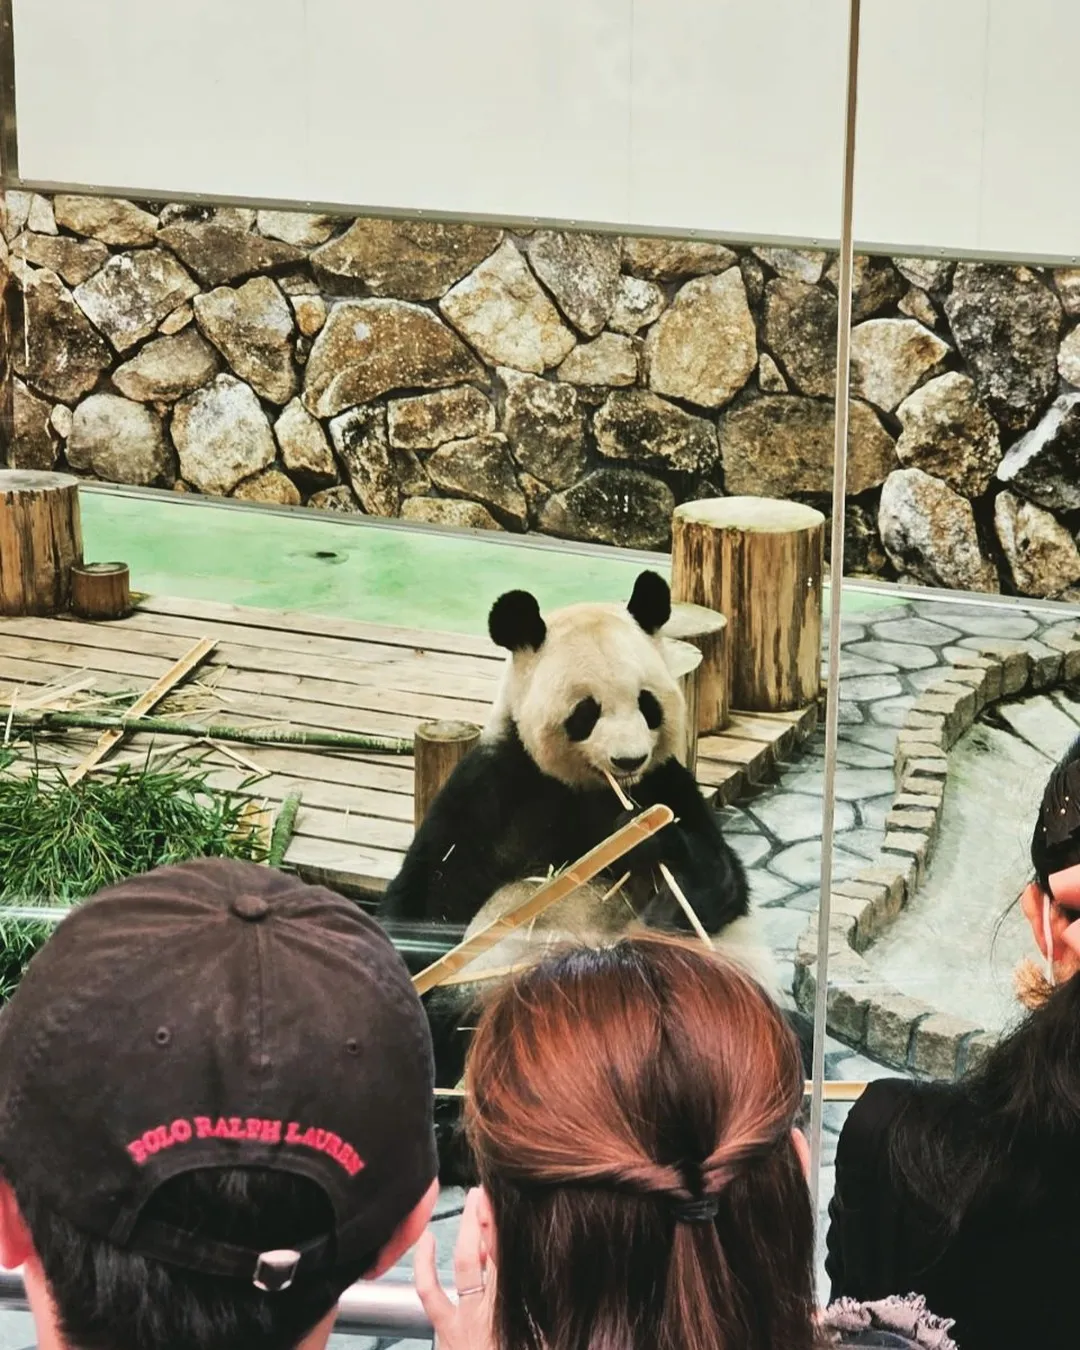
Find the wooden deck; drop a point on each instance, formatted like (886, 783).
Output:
(305, 670)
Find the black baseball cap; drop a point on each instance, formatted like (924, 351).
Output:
(219, 1014)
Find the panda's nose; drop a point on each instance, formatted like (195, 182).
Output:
(628, 763)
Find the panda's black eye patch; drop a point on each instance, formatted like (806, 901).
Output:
(581, 721)
(649, 707)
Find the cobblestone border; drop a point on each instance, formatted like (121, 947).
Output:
(898, 1030)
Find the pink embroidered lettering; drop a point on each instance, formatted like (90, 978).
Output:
(244, 1129)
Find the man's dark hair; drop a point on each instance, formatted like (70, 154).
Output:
(107, 1298)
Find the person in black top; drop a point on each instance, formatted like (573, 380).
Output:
(969, 1193)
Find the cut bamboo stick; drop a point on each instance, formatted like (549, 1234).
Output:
(592, 864)
(164, 726)
(108, 742)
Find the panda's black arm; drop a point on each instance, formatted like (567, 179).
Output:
(452, 866)
(703, 863)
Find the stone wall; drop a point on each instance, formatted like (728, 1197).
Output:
(571, 384)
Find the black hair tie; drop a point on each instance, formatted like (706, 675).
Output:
(703, 1209)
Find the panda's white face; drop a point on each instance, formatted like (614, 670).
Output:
(595, 696)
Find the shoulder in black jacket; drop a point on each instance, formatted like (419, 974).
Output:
(1004, 1278)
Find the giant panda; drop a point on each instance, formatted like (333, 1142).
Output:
(585, 691)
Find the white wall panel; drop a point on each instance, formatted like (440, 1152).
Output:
(722, 115)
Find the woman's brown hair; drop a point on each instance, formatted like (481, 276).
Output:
(630, 1108)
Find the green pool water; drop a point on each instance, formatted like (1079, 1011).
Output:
(352, 567)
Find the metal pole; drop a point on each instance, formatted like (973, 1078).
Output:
(388, 1308)
(836, 577)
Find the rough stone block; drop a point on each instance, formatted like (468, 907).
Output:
(915, 718)
(1046, 665)
(975, 680)
(936, 766)
(924, 821)
(963, 659)
(1068, 644)
(936, 1048)
(974, 1051)
(922, 785)
(890, 1023)
(892, 879)
(878, 911)
(1015, 663)
(858, 916)
(909, 844)
(916, 743)
(917, 801)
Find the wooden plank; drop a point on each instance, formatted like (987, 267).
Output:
(269, 670)
(419, 662)
(366, 831)
(319, 625)
(387, 773)
(712, 775)
(317, 793)
(246, 707)
(344, 867)
(109, 740)
(773, 734)
(732, 750)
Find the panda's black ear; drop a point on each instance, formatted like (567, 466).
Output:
(650, 603)
(515, 622)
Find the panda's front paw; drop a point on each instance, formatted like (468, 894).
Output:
(660, 847)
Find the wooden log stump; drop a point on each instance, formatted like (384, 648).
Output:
(438, 748)
(705, 629)
(100, 590)
(40, 541)
(759, 562)
(685, 663)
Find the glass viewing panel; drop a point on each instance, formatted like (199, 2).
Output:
(323, 445)
(958, 661)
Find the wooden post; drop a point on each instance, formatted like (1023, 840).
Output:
(759, 562)
(40, 540)
(685, 663)
(438, 748)
(705, 629)
(100, 590)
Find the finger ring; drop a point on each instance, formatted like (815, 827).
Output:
(476, 1289)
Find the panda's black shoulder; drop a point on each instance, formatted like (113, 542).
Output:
(499, 765)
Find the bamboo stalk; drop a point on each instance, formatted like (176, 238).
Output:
(665, 871)
(590, 865)
(281, 837)
(340, 740)
(108, 742)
